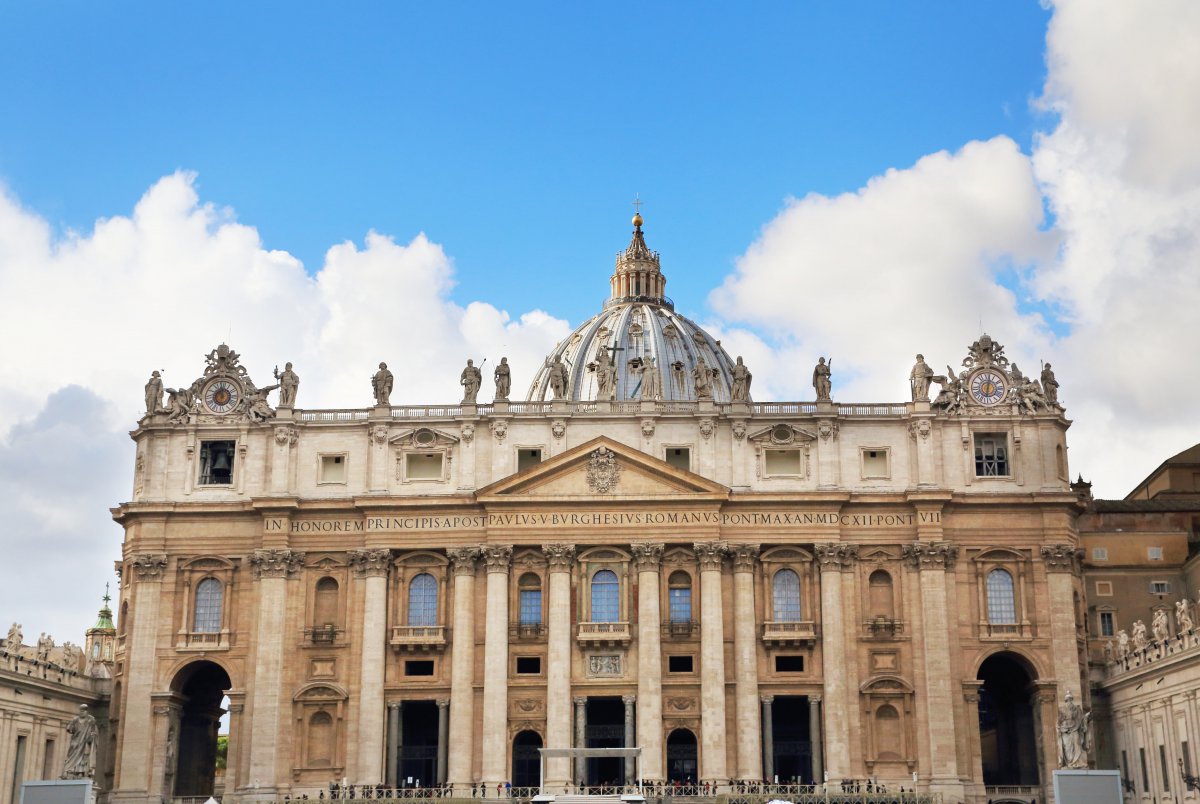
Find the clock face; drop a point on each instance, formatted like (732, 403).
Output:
(221, 396)
(989, 387)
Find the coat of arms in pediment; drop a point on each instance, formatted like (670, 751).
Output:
(603, 471)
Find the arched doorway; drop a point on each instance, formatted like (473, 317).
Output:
(526, 763)
(681, 757)
(1006, 722)
(201, 687)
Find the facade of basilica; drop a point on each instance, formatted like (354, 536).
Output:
(636, 555)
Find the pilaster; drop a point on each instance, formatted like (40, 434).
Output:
(371, 569)
(1062, 564)
(495, 665)
(834, 559)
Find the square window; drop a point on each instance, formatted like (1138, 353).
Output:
(216, 463)
(789, 664)
(1154, 553)
(1104, 588)
(782, 462)
(875, 463)
(418, 667)
(527, 457)
(333, 469)
(679, 664)
(529, 665)
(1107, 623)
(1099, 554)
(679, 457)
(991, 455)
(423, 465)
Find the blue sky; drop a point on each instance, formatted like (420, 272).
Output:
(514, 135)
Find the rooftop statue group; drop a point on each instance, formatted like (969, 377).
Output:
(222, 364)
(66, 655)
(1127, 644)
(1028, 395)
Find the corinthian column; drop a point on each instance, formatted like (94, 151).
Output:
(558, 661)
(648, 558)
(462, 668)
(272, 568)
(495, 665)
(834, 558)
(712, 664)
(371, 567)
(745, 663)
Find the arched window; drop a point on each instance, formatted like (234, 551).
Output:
(207, 619)
(880, 592)
(320, 740)
(123, 621)
(529, 589)
(606, 604)
(422, 600)
(325, 605)
(1002, 605)
(679, 597)
(889, 742)
(785, 594)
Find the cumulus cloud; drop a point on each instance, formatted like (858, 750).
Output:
(87, 316)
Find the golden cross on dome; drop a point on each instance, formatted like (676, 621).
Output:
(637, 204)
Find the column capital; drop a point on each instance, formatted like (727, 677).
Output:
(443, 703)
(276, 563)
(931, 555)
(498, 557)
(629, 700)
(814, 699)
(370, 563)
(647, 556)
(394, 705)
(767, 699)
(463, 559)
(149, 566)
(560, 556)
(1061, 557)
(580, 701)
(836, 555)
(711, 555)
(745, 557)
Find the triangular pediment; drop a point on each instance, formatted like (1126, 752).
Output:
(602, 469)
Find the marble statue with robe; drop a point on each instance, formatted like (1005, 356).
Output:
(82, 730)
(1072, 734)
(470, 379)
(822, 380)
(381, 385)
(289, 383)
(503, 377)
(739, 391)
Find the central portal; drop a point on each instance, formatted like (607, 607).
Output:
(418, 744)
(791, 740)
(605, 729)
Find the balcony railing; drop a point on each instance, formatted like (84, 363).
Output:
(883, 628)
(202, 640)
(527, 631)
(418, 637)
(789, 633)
(1185, 644)
(679, 629)
(604, 633)
(322, 635)
(1005, 631)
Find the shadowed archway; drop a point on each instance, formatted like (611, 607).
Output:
(201, 686)
(1006, 723)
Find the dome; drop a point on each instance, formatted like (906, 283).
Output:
(638, 327)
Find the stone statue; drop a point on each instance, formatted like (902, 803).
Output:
(606, 376)
(702, 378)
(503, 377)
(1183, 617)
(651, 380)
(558, 379)
(1072, 734)
(470, 379)
(15, 638)
(1108, 652)
(381, 386)
(919, 378)
(44, 645)
(822, 373)
(1029, 395)
(950, 397)
(82, 729)
(179, 403)
(1162, 631)
(257, 407)
(1049, 385)
(154, 392)
(289, 383)
(740, 390)
(1122, 644)
(1139, 635)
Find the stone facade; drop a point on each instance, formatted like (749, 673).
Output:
(745, 590)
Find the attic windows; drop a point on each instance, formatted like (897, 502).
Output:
(527, 457)
(991, 455)
(216, 463)
(333, 469)
(423, 465)
(782, 463)
(875, 463)
(679, 457)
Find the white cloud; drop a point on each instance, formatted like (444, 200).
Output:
(98, 311)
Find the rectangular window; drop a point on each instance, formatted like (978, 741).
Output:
(418, 667)
(1106, 623)
(782, 462)
(531, 607)
(1162, 762)
(18, 769)
(527, 458)
(333, 469)
(1125, 766)
(1187, 757)
(1154, 553)
(1099, 554)
(529, 665)
(423, 466)
(991, 455)
(1104, 588)
(679, 457)
(1160, 587)
(1145, 771)
(680, 604)
(216, 463)
(875, 463)
(48, 761)
(679, 664)
(789, 664)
